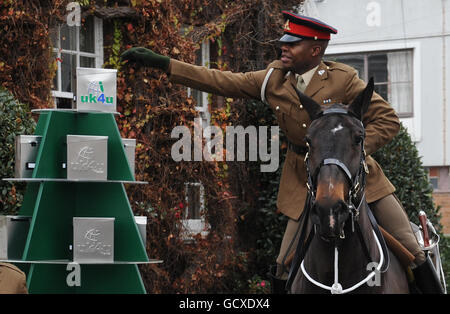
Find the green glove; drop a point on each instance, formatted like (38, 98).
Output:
(146, 57)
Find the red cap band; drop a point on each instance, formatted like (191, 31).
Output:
(305, 31)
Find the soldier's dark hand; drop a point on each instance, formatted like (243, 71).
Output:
(146, 57)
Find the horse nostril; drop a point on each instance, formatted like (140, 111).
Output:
(315, 215)
(341, 212)
(330, 218)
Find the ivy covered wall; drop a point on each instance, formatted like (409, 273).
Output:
(242, 38)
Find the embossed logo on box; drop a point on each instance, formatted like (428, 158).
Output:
(87, 157)
(93, 239)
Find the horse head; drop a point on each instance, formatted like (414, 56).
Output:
(335, 161)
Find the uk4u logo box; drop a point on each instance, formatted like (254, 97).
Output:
(96, 89)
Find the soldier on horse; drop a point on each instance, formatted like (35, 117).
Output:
(302, 47)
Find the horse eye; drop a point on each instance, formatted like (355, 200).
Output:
(358, 139)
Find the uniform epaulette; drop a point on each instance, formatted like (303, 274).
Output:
(332, 65)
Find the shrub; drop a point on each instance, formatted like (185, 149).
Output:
(258, 285)
(402, 165)
(261, 225)
(15, 119)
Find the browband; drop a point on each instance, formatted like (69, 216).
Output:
(338, 111)
(334, 111)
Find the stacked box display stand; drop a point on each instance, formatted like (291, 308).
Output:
(52, 201)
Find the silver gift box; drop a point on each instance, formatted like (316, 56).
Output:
(13, 236)
(141, 222)
(27, 147)
(93, 239)
(87, 157)
(129, 145)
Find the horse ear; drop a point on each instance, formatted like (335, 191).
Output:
(361, 103)
(309, 104)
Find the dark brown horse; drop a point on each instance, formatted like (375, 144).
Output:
(343, 250)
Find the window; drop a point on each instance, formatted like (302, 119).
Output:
(193, 216)
(74, 47)
(392, 72)
(194, 201)
(201, 98)
(439, 178)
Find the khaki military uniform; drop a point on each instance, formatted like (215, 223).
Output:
(331, 83)
(12, 280)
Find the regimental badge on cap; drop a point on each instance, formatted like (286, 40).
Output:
(298, 27)
(286, 26)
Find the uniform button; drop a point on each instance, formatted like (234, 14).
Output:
(301, 106)
(304, 125)
(277, 108)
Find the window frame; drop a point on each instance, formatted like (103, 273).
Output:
(365, 57)
(414, 123)
(199, 226)
(194, 226)
(97, 55)
(205, 61)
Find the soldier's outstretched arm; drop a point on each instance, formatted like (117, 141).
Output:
(224, 83)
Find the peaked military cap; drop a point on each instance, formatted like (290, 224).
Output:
(298, 27)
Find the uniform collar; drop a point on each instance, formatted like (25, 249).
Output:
(315, 84)
(307, 76)
(317, 80)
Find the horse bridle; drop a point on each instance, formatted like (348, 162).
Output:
(356, 183)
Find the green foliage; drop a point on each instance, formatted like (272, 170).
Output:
(15, 119)
(402, 165)
(444, 247)
(114, 58)
(258, 285)
(263, 220)
(272, 225)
